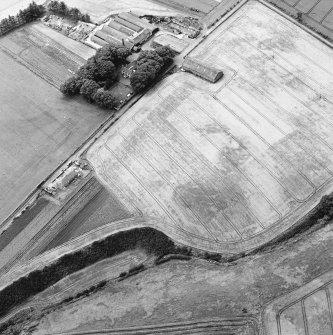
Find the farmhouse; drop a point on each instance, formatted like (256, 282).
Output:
(202, 70)
(174, 43)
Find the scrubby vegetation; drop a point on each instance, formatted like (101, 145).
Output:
(29, 14)
(60, 8)
(94, 78)
(151, 240)
(150, 65)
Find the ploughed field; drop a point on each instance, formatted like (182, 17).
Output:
(229, 166)
(49, 54)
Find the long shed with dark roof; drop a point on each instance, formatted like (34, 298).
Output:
(136, 20)
(127, 24)
(202, 70)
(115, 25)
(108, 38)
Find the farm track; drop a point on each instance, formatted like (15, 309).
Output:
(223, 327)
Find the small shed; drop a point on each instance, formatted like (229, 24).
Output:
(202, 70)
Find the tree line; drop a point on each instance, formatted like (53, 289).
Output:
(94, 78)
(153, 241)
(29, 14)
(60, 8)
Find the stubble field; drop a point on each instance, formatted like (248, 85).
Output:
(229, 166)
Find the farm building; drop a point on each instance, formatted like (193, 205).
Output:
(136, 20)
(114, 33)
(98, 40)
(127, 24)
(127, 70)
(176, 44)
(108, 38)
(202, 70)
(143, 36)
(115, 25)
(125, 29)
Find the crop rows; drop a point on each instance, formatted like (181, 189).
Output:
(41, 54)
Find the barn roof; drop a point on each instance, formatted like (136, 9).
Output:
(136, 20)
(202, 70)
(127, 24)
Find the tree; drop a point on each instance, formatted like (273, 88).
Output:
(89, 70)
(113, 53)
(140, 79)
(106, 70)
(104, 99)
(72, 86)
(151, 55)
(165, 52)
(88, 89)
(299, 17)
(62, 9)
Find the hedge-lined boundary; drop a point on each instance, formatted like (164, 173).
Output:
(153, 241)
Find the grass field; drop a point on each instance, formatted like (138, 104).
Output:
(38, 130)
(233, 164)
(49, 54)
(318, 14)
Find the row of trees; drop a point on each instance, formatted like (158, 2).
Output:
(60, 8)
(29, 14)
(95, 77)
(149, 66)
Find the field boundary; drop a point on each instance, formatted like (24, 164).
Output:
(309, 29)
(233, 324)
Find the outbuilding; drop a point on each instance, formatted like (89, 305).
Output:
(202, 70)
